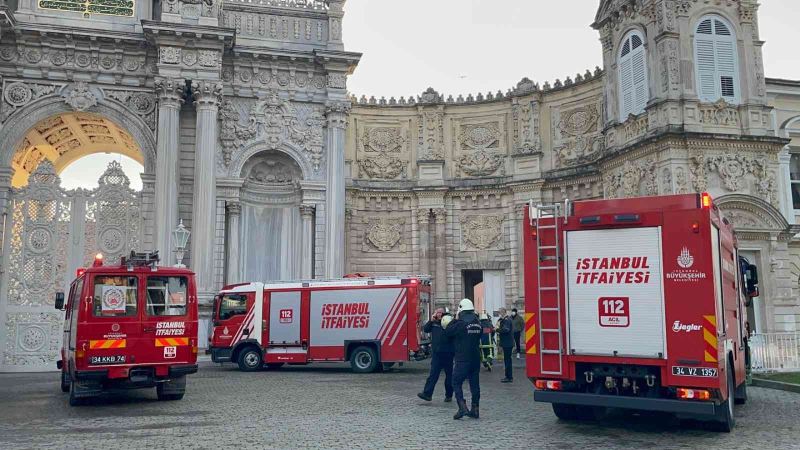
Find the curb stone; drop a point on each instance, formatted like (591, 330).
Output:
(789, 387)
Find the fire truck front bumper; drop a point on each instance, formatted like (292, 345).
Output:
(683, 407)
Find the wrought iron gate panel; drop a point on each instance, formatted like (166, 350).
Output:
(53, 232)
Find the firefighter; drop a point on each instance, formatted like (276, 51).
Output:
(466, 333)
(442, 358)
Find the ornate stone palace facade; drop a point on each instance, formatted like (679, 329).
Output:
(239, 112)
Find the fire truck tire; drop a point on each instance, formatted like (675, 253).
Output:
(364, 360)
(171, 390)
(65, 381)
(565, 412)
(725, 419)
(250, 359)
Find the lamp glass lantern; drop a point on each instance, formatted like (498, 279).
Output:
(181, 237)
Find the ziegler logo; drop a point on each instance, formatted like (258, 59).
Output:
(685, 259)
(678, 327)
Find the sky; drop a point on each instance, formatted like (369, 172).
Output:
(470, 46)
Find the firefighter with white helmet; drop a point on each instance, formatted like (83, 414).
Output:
(441, 357)
(466, 331)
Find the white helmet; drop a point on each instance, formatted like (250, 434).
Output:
(446, 320)
(465, 305)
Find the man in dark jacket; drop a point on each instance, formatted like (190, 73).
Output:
(505, 328)
(441, 359)
(519, 327)
(466, 333)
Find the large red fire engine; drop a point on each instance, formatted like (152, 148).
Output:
(133, 325)
(371, 322)
(636, 304)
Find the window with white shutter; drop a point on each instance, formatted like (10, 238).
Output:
(634, 92)
(716, 61)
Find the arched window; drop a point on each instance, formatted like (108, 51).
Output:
(716, 61)
(634, 91)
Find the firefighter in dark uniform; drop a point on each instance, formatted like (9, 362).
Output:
(466, 333)
(442, 357)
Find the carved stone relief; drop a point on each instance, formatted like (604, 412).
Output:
(142, 104)
(576, 136)
(17, 94)
(32, 339)
(526, 128)
(380, 147)
(736, 173)
(431, 136)
(720, 113)
(383, 235)
(273, 122)
(271, 169)
(633, 179)
(480, 150)
(481, 232)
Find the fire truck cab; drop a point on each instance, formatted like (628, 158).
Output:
(636, 304)
(133, 325)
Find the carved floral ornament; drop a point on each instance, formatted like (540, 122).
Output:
(273, 122)
(736, 171)
(480, 146)
(481, 232)
(377, 161)
(632, 180)
(383, 234)
(576, 136)
(720, 113)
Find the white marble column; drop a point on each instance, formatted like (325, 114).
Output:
(170, 96)
(336, 115)
(307, 253)
(423, 222)
(440, 283)
(206, 99)
(234, 211)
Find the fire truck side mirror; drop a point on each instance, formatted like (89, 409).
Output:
(60, 301)
(752, 281)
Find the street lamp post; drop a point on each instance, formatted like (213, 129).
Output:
(181, 237)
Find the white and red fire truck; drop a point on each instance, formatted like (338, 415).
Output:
(371, 322)
(131, 325)
(636, 304)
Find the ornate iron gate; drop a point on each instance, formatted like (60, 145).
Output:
(50, 234)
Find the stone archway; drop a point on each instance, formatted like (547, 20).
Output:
(764, 235)
(271, 224)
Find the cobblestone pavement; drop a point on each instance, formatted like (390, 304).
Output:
(326, 406)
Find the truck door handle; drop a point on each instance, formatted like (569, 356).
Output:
(148, 329)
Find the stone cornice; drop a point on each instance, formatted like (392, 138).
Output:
(156, 30)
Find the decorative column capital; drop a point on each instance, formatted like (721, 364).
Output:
(441, 215)
(336, 113)
(233, 208)
(424, 216)
(170, 91)
(307, 211)
(207, 93)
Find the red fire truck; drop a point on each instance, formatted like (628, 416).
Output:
(371, 322)
(636, 304)
(132, 325)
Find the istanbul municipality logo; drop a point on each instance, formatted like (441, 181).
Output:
(685, 259)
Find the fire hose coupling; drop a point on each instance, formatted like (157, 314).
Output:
(651, 380)
(611, 383)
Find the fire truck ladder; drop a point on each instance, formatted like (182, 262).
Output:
(547, 270)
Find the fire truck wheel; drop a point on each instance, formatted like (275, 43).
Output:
(65, 381)
(364, 360)
(725, 418)
(171, 390)
(565, 412)
(250, 359)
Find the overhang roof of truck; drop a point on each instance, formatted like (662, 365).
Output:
(121, 270)
(334, 283)
(638, 204)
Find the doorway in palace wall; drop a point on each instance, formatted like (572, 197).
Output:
(756, 312)
(53, 227)
(486, 288)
